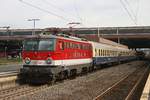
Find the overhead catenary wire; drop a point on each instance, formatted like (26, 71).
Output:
(137, 9)
(55, 7)
(46, 11)
(58, 8)
(132, 12)
(130, 15)
(77, 12)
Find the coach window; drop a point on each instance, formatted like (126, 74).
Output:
(106, 53)
(113, 53)
(110, 52)
(103, 52)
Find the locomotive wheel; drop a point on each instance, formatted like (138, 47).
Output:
(61, 76)
(84, 70)
(73, 73)
(91, 68)
(52, 81)
(65, 72)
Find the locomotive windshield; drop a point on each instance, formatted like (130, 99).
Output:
(40, 45)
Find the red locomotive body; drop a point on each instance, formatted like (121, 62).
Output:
(53, 55)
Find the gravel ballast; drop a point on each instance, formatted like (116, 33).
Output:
(85, 87)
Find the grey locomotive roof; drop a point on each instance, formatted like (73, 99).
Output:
(60, 36)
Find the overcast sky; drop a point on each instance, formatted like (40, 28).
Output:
(57, 13)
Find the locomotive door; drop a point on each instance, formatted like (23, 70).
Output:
(61, 50)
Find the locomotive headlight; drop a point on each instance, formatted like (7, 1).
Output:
(27, 60)
(48, 61)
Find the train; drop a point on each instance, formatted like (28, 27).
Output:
(50, 57)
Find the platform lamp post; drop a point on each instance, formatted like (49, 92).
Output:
(118, 35)
(118, 43)
(98, 33)
(34, 20)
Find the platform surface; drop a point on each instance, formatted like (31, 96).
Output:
(146, 91)
(12, 67)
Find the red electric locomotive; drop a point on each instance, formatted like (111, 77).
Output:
(48, 57)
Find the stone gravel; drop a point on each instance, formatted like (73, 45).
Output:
(85, 87)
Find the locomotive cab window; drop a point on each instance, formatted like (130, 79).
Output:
(46, 45)
(40, 45)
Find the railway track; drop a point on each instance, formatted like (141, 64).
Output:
(16, 92)
(25, 90)
(126, 88)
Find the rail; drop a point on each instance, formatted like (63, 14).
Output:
(131, 92)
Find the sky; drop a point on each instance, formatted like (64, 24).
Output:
(90, 13)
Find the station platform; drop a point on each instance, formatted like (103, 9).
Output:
(146, 91)
(12, 67)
